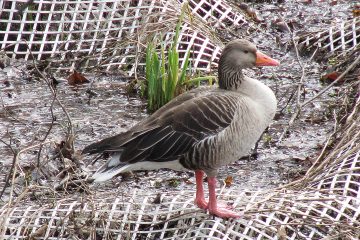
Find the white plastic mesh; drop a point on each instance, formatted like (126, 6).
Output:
(320, 209)
(341, 37)
(108, 33)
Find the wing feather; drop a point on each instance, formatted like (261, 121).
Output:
(175, 128)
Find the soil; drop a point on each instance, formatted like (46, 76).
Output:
(103, 108)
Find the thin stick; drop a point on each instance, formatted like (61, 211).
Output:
(11, 169)
(324, 148)
(334, 82)
(70, 126)
(15, 161)
(299, 87)
(48, 131)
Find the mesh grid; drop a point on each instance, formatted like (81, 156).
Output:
(320, 209)
(340, 38)
(111, 33)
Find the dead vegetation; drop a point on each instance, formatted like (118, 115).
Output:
(44, 193)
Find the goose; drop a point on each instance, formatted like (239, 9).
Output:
(200, 130)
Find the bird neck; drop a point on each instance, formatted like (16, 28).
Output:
(229, 78)
(234, 80)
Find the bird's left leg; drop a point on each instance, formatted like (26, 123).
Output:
(200, 198)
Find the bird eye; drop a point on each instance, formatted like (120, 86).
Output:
(246, 51)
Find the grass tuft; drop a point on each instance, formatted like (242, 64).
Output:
(165, 79)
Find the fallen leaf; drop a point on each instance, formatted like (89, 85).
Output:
(331, 76)
(280, 25)
(254, 15)
(243, 6)
(40, 232)
(76, 78)
(66, 147)
(157, 199)
(251, 12)
(333, 3)
(188, 181)
(228, 181)
(300, 158)
(356, 12)
(281, 233)
(307, 1)
(174, 182)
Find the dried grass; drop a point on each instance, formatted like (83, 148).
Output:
(324, 203)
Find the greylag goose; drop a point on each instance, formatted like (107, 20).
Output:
(200, 130)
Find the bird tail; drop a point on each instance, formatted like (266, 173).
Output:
(110, 169)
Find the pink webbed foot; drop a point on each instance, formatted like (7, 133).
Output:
(223, 213)
(223, 204)
(220, 209)
(203, 204)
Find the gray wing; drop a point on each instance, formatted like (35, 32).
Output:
(173, 129)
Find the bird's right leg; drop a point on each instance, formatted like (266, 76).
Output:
(200, 198)
(214, 207)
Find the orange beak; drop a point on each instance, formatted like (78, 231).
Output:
(264, 60)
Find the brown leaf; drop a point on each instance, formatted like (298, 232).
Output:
(281, 26)
(76, 78)
(66, 147)
(187, 181)
(356, 12)
(39, 232)
(281, 233)
(331, 76)
(333, 3)
(255, 16)
(300, 158)
(250, 11)
(306, 1)
(157, 199)
(228, 181)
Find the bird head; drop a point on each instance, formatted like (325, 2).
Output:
(240, 54)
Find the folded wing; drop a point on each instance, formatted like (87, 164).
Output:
(173, 129)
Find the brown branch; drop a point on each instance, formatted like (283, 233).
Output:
(15, 152)
(300, 84)
(70, 126)
(13, 174)
(48, 131)
(348, 69)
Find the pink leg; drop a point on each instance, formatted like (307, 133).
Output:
(200, 199)
(214, 209)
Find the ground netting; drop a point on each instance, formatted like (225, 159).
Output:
(324, 203)
(338, 38)
(111, 34)
(339, 45)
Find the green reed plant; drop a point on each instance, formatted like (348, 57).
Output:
(165, 79)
